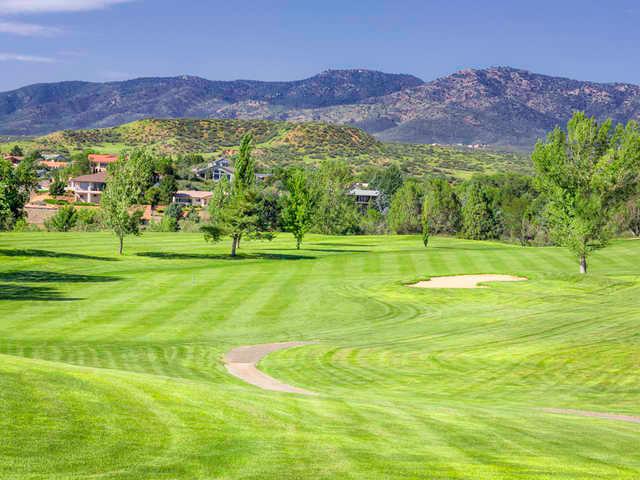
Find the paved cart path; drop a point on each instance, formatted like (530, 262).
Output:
(242, 363)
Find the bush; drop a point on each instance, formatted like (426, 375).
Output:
(89, 220)
(64, 220)
(57, 187)
(22, 225)
(373, 223)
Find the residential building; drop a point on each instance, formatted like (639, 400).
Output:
(215, 170)
(99, 163)
(52, 164)
(54, 157)
(192, 198)
(219, 169)
(88, 188)
(364, 196)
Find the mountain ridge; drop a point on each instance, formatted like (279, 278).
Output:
(498, 106)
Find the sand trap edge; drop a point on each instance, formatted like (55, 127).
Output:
(465, 281)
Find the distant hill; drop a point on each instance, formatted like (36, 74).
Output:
(280, 144)
(499, 106)
(43, 108)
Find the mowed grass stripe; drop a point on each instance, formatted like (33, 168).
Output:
(412, 384)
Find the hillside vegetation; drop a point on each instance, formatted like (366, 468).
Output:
(280, 144)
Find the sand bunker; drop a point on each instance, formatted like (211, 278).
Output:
(584, 413)
(241, 363)
(465, 281)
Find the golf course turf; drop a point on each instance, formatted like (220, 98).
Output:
(113, 367)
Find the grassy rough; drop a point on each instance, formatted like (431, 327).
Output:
(112, 367)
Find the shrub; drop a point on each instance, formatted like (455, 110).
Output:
(89, 220)
(57, 187)
(64, 220)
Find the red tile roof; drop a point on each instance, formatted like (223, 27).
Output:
(53, 164)
(95, 158)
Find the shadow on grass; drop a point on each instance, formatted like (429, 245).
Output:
(26, 293)
(309, 249)
(50, 254)
(336, 244)
(34, 276)
(221, 256)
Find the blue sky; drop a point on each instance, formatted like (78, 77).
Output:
(103, 40)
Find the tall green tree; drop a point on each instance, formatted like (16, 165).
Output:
(441, 208)
(480, 216)
(244, 177)
(16, 185)
(406, 209)
(80, 164)
(632, 214)
(235, 208)
(336, 213)
(125, 185)
(16, 151)
(586, 173)
(387, 180)
(297, 214)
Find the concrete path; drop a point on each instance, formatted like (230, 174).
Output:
(241, 363)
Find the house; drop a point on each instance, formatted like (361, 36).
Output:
(365, 197)
(99, 163)
(54, 157)
(215, 170)
(52, 164)
(219, 169)
(88, 188)
(192, 197)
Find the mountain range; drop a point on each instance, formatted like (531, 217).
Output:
(498, 106)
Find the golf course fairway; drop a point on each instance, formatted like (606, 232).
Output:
(113, 367)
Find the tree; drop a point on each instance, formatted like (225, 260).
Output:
(244, 177)
(586, 173)
(124, 188)
(441, 208)
(336, 213)
(405, 210)
(633, 216)
(297, 215)
(80, 164)
(16, 151)
(16, 185)
(167, 188)
(64, 220)
(234, 208)
(480, 217)
(57, 186)
(387, 181)
(171, 216)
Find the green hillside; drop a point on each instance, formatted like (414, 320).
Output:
(281, 143)
(111, 367)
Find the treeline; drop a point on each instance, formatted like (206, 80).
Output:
(586, 190)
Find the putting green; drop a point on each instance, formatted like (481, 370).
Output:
(114, 367)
